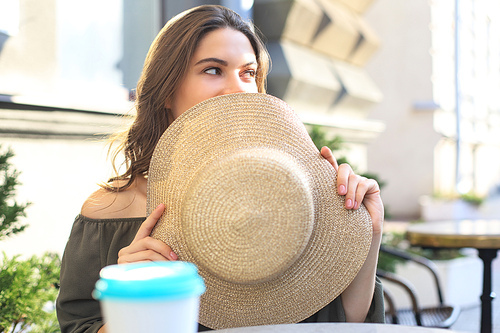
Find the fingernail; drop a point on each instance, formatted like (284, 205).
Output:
(348, 203)
(342, 189)
(356, 205)
(173, 255)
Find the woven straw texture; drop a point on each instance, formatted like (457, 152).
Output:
(254, 205)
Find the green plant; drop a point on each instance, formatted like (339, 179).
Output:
(336, 144)
(388, 262)
(473, 198)
(27, 288)
(10, 210)
(319, 137)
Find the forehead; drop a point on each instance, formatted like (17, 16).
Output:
(224, 42)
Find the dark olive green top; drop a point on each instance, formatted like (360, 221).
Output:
(94, 244)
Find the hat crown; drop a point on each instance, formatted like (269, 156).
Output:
(257, 235)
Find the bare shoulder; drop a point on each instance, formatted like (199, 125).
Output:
(105, 204)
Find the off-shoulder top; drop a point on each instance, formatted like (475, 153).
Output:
(94, 244)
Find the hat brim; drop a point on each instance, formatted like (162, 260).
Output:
(340, 239)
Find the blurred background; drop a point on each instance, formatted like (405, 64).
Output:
(406, 92)
(409, 87)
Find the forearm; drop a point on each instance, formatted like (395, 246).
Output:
(357, 298)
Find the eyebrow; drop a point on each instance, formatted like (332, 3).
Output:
(217, 60)
(221, 62)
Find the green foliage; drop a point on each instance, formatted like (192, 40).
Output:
(388, 262)
(27, 288)
(336, 144)
(10, 210)
(473, 198)
(470, 197)
(318, 136)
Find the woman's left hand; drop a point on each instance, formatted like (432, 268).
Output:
(357, 190)
(357, 298)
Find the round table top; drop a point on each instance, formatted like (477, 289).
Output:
(333, 327)
(479, 234)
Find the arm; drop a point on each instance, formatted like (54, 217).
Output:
(357, 298)
(123, 204)
(102, 231)
(144, 248)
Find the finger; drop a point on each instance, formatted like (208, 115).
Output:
(343, 174)
(148, 255)
(148, 225)
(365, 188)
(327, 153)
(352, 189)
(147, 244)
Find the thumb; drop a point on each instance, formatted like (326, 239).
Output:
(148, 224)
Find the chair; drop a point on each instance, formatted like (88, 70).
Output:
(441, 315)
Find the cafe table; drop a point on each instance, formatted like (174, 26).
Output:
(335, 327)
(483, 235)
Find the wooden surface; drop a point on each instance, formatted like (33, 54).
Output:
(479, 234)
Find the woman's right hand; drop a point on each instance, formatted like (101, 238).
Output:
(144, 247)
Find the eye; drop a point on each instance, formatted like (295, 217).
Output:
(212, 71)
(250, 73)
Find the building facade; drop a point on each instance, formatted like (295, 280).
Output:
(429, 81)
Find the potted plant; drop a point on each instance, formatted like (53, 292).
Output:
(453, 207)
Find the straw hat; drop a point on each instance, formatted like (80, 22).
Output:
(254, 205)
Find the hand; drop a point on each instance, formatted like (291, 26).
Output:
(145, 247)
(358, 190)
(358, 295)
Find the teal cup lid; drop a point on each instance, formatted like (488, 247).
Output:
(165, 280)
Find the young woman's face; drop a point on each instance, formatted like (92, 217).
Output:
(224, 62)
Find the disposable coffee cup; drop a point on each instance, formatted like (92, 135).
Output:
(150, 297)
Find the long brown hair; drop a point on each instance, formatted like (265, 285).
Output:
(164, 69)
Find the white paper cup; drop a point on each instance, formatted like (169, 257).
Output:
(150, 297)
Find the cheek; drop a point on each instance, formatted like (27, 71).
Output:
(186, 99)
(201, 94)
(253, 88)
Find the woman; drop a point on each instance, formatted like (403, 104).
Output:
(204, 52)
